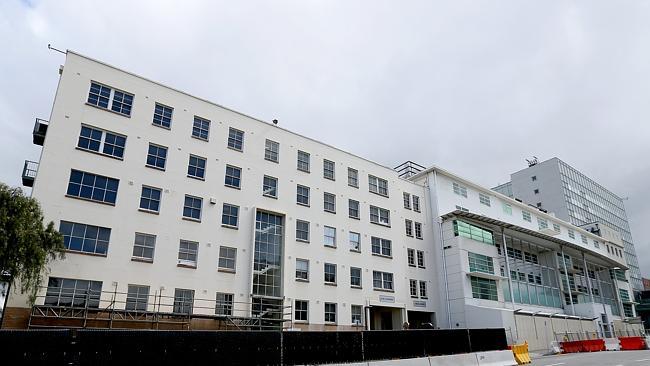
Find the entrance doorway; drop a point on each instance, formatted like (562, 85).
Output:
(421, 320)
(385, 318)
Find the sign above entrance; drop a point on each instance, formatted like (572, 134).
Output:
(387, 299)
(419, 304)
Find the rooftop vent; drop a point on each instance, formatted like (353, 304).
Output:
(408, 169)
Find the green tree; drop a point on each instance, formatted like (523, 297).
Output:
(26, 245)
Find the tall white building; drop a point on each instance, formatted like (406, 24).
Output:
(179, 213)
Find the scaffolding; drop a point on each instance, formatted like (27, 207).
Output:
(120, 310)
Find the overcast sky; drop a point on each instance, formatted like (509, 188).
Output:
(472, 86)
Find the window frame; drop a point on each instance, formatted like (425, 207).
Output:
(143, 248)
(353, 177)
(227, 259)
(101, 143)
(326, 237)
(304, 155)
(353, 278)
(232, 177)
(97, 236)
(197, 167)
(351, 210)
(327, 204)
(375, 185)
(192, 208)
(272, 151)
(332, 275)
(378, 215)
(266, 185)
(230, 215)
(199, 126)
(162, 116)
(299, 272)
(386, 281)
(109, 195)
(327, 172)
(300, 195)
(382, 245)
(298, 221)
(157, 157)
(236, 141)
(351, 242)
(188, 252)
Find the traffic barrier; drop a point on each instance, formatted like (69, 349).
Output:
(466, 359)
(593, 345)
(632, 343)
(571, 346)
(612, 344)
(520, 352)
(496, 358)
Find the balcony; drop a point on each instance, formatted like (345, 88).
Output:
(29, 173)
(40, 129)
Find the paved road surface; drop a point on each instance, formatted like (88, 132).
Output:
(613, 358)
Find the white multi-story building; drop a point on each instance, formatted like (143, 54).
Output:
(178, 212)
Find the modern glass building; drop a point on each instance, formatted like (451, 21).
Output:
(572, 196)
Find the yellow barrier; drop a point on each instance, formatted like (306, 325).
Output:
(521, 353)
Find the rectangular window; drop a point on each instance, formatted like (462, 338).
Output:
(328, 169)
(270, 187)
(157, 156)
(459, 190)
(233, 176)
(330, 273)
(420, 259)
(230, 215)
(355, 277)
(542, 223)
(196, 167)
(407, 201)
(143, 247)
(329, 236)
(418, 230)
(480, 263)
(409, 227)
(136, 298)
(423, 289)
(302, 269)
(236, 139)
(583, 238)
(353, 209)
(572, 234)
(507, 209)
(483, 288)
(556, 227)
(624, 295)
(183, 301)
(413, 288)
(353, 178)
(192, 207)
(355, 241)
(484, 199)
(272, 151)
(357, 314)
(302, 195)
(101, 141)
(99, 95)
(224, 303)
(302, 310)
(162, 116)
(330, 312)
(329, 202)
(302, 231)
(416, 203)
(73, 293)
(381, 246)
(150, 199)
(382, 280)
(85, 238)
(201, 128)
(627, 310)
(379, 216)
(526, 216)
(303, 161)
(92, 187)
(227, 258)
(378, 185)
(473, 232)
(410, 254)
(187, 253)
(122, 102)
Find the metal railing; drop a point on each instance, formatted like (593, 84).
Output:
(29, 173)
(113, 309)
(408, 169)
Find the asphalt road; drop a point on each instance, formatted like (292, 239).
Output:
(612, 358)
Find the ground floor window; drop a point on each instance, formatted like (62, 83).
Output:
(483, 288)
(302, 310)
(73, 293)
(330, 312)
(136, 297)
(357, 314)
(224, 304)
(183, 301)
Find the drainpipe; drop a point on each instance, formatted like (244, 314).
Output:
(512, 293)
(566, 274)
(442, 245)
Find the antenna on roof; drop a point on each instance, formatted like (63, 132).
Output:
(532, 162)
(49, 47)
(275, 121)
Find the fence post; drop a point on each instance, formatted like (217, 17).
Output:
(281, 348)
(469, 341)
(363, 349)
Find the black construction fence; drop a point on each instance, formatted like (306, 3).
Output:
(193, 348)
